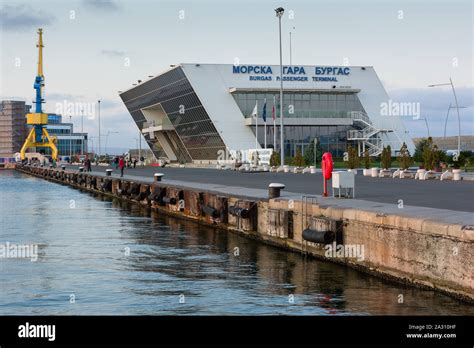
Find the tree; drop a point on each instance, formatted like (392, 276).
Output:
(435, 157)
(386, 157)
(427, 154)
(420, 146)
(298, 160)
(309, 153)
(404, 157)
(352, 158)
(457, 161)
(367, 159)
(275, 159)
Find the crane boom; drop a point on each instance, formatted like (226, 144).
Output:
(39, 136)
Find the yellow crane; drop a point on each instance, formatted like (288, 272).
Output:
(39, 136)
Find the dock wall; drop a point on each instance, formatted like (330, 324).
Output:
(413, 250)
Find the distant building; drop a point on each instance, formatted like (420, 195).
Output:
(12, 127)
(67, 142)
(14, 130)
(451, 143)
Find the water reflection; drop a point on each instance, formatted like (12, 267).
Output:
(173, 266)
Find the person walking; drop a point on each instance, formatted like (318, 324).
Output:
(134, 163)
(121, 165)
(116, 162)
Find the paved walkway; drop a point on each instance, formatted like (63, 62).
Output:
(451, 195)
(436, 200)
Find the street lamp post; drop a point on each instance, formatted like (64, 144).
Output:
(82, 132)
(291, 60)
(70, 139)
(427, 128)
(99, 129)
(447, 115)
(279, 13)
(106, 138)
(139, 145)
(457, 108)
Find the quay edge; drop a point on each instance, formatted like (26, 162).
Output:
(416, 251)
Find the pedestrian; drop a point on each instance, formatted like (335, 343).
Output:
(116, 162)
(121, 165)
(134, 163)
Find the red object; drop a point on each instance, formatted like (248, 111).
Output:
(327, 167)
(121, 163)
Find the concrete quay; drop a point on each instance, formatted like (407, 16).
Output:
(422, 246)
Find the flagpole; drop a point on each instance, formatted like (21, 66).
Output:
(264, 116)
(265, 134)
(256, 125)
(274, 125)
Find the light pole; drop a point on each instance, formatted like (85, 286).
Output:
(291, 62)
(82, 132)
(457, 108)
(427, 128)
(106, 138)
(315, 150)
(279, 13)
(139, 144)
(70, 139)
(447, 115)
(99, 129)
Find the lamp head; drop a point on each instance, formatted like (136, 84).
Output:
(279, 11)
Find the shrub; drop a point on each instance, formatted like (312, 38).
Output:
(367, 159)
(352, 158)
(309, 153)
(404, 158)
(275, 159)
(386, 157)
(298, 160)
(420, 147)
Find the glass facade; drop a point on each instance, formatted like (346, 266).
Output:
(327, 105)
(194, 129)
(67, 141)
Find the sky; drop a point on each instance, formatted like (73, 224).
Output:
(93, 49)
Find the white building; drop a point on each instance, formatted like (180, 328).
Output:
(192, 111)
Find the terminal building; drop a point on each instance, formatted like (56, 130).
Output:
(194, 112)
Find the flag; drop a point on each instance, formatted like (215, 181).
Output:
(255, 110)
(273, 108)
(264, 113)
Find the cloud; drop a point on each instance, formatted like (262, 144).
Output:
(113, 53)
(102, 5)
(23, 17)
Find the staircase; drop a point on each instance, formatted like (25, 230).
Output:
(366, 134)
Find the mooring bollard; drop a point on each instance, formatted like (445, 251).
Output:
(274, 190)
(158, 176)
(51, 166)
(108, 172)
(81, 169)
(63, 167)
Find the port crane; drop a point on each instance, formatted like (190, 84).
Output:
(39, 136)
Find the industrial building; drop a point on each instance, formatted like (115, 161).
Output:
(194, 112)
(13, 131)
(67, 142)
(12, 127)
